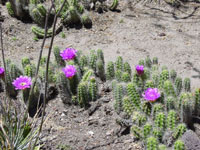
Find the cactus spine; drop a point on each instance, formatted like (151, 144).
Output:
(110, 71)
(83, 94)
(152, 143)
(179, 145)
(93, 89)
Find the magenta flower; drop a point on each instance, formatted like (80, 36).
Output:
(140, 69)
(68, 54)
(69, 71)
(1, 72)
(22, 82)
(151, 94)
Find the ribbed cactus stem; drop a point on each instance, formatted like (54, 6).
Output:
(40, 33)
(136, 131)
(29, 71)
(128, 106)
(149, 84)
(170, 103)
(110, 71)
(93, 89)
(173, 75)
(119, 93)
(178, 85)
(162, 147)
(179, 145)
(92, 60)
(186, 85)
(155, 60)
(139, 118)
(147, 130)
(25, 61)
(148, 62)
(141, 62)
(133, 95)
(100, 55)
(83, 94)
(114, 5)
(118, 75)
(163, 77)
(152, 144)
(119, 63)
(125, 77)
(171, 119)
(58, 58)
(169, 89)
(87, 75)
(100, 69)
(156, 109)
(127, 68)
(160, 120)
(10, 9)
(179, 131)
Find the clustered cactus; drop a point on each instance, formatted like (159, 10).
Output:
(161, 122)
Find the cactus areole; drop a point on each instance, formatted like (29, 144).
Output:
(151, 94)
(69, 71)
(140, 69)
(68, 54)
(22, 82)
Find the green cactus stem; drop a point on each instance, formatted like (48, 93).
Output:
(114, 5)
(152, 143)
(179, 145)
(92, 89)
(83, 94)
(58, 58)
(110, 71)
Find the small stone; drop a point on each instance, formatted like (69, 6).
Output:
(162, 34)
(110, 132)
(91, 133)
(62, 115)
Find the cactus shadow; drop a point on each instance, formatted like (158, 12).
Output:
(197, 71)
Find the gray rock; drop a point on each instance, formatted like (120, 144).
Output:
(191, 140)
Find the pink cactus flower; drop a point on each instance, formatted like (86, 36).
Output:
(151, 94)
(69, 71)
(68, 54)
(1, 72)
(140, 69)
(22, 82)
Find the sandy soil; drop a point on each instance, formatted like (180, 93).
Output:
(139, 30)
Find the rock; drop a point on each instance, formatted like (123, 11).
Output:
(91, 133)
(191, 140)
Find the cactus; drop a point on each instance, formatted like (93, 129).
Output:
(110, 71)
(178, 85)
(187, 107)
(25, 61)
(186, 85)
(133, 95)
(146, 107)
(126, 77)
(118, 75)
(57, 56)
(100, 69)
(173, 75)
(10, 9)
(38, 14)
(147, 130)
(152, 143)
(83, 62)
(169, 89)
(148, 62)
(155, 78)
(92, 89)
(127, 68)
(119, 93)
(163, 77)
(119, 63)
(92, 60)
(141, 62)
(82, 94)
(29, 70)
(100, 55)
(40, 33)
(139, 118)
(156, 109)
(155, 60)
(162, 147)
(170, 103)
(197, 101)
(136, 131)
(160, 120)
(149, 84)
(179, 131)
(146, 74)
(171, 119)
(87, 75)
(128, 106)
(86, 21)
(114, 5)
(64, 88)
(157, 133)
(179, 145)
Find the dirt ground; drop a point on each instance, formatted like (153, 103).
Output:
(137, 31)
